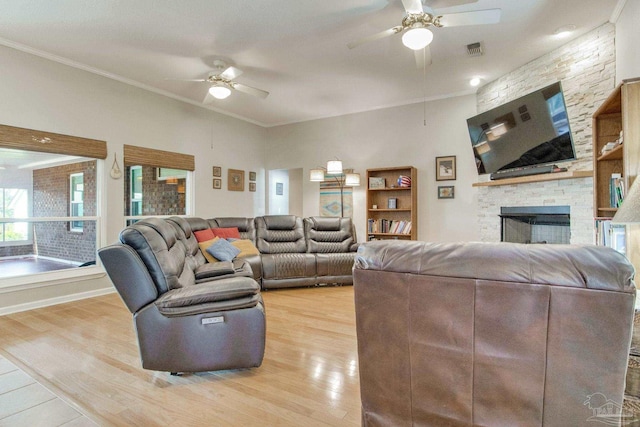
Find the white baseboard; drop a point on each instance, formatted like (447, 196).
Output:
(54, 301)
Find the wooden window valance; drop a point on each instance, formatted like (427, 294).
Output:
(134, 155)
(48, 142)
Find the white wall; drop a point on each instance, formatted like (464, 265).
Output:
(278, 203)
(391, 137)
(627, 36)
(40, 94)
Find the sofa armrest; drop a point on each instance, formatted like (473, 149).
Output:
(204, 293)
(214, 269)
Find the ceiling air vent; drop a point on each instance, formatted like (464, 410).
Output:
(474, 49)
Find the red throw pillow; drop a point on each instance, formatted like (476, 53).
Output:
(225, 233)
(204, 235)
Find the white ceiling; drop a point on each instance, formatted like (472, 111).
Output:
(295, 49)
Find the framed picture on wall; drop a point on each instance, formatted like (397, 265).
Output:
(217, 171)
(445, 192)
(217, 183)
(279, 189)
(236, 180)
(252, 176)
(446, 168)
(252, 186)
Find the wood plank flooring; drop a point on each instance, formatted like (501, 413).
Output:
(86, 353)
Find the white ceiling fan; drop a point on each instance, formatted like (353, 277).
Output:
(222, 83)
(415, 24)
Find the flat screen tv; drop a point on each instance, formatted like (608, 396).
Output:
(529, 131)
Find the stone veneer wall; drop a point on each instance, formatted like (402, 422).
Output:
(586, 69)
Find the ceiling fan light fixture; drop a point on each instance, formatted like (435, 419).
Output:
(474, 81)
(219, 92)
(417, 38)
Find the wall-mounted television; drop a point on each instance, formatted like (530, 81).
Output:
(527, 132)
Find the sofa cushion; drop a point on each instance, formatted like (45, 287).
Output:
(225, 233)
(204, 235)
(223, 250)
(246, 247)
(205, 245)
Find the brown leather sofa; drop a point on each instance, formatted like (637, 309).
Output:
(484, 334)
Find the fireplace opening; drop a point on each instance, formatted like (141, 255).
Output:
(535, 224)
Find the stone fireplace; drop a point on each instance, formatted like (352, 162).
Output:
(576, 194)
(535, 224)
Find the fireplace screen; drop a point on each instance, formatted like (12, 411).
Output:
(535, 224)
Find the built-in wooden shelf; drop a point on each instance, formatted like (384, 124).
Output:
(536, 178)
(389, 210)
(615, 154)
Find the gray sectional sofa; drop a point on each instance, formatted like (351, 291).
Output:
(191, 315)
(294, 251)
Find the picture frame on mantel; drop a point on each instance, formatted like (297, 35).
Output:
(235, 180)
(446, 168)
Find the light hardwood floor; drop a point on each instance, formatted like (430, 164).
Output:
(85, 352)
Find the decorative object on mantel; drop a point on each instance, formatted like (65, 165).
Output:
(115, 171)
(252, 176)
(446, 168)
(446, 192)
(217, 183)
(334, 173)
(217, 171)
(235, 180)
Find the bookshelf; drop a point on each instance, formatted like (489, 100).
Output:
(382, 217)
(619, 112)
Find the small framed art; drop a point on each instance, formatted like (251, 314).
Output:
(376, 182)
(217, 171)
(217, 183)
(446, 168)
(236, 180)
(392, 203)
(279, 189)
(252, 176)
(445, 192)
(252, 186)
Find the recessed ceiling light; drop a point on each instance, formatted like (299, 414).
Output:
(564, 31)
(474, 81)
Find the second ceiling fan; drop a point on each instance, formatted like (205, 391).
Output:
(418, 19)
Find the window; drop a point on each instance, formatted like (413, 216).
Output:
(76, 196)
(136, 191)
(14, 203)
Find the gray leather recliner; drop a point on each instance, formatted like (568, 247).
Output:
(189, 315)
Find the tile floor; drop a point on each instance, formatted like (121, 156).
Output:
(25, 402)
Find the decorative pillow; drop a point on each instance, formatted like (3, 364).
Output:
(226, 232)
(203, 248)
(223, 250)
(204, 235)
(246, 248)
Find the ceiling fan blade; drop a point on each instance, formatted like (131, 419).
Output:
(423, 57)
(440, 4)
(478, 17)
(412, 6)
(250, 90)
(380, 35)
(187, 80)
(230, 73)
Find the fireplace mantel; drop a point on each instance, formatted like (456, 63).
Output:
(536, 178)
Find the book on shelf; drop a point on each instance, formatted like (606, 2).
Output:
(616, 190)
(388, 226)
